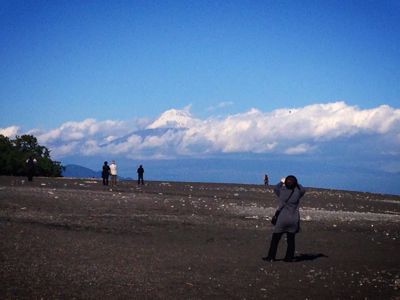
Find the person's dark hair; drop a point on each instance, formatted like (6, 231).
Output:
(105, 162)
(291, 182)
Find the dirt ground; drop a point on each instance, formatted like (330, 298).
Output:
(75, 239)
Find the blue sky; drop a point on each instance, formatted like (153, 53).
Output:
(70, 60)
(301, 78)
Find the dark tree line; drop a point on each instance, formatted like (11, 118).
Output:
(15, 152)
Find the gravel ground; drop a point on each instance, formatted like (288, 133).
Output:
(75, 239)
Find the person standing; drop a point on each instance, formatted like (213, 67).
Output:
(113, 173)
(105, 173)
(266, 180)
(31, 167)
(287, 217)
(140, 172)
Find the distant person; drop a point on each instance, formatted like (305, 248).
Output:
(105, 173)
(287, 216)
(266, 180)
(140, 172)
(31, 167)
(113, 173)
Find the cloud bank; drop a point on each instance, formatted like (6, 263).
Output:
(176, 132)
(10, 131)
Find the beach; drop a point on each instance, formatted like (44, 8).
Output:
(68, 238)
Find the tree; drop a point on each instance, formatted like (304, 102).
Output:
(6, 150)
(14, 153)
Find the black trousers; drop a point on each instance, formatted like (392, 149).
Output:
(291, 245)
(140, 179)
(31, 172)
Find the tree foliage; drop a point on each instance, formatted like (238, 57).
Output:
(15, 152)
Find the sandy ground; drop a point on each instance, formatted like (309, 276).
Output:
(74, 239)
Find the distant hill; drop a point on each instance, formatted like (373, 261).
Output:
(83, 172)
(79, 171)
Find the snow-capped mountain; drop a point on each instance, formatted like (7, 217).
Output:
(317, 132)
(173, 118)
(170, 121)
(166, 127)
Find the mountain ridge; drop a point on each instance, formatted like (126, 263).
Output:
(74, 170)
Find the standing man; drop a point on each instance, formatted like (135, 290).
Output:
(266, 180)
(113, 173)
(140, 172)
(31, 167)
(105, 173)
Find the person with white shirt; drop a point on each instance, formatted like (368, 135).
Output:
(113, 173)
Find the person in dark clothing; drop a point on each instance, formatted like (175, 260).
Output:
(105, 173)
(287, 216)
(140, 172)
(31, 167)
(266, 180)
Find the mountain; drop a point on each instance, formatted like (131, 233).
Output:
(148, 132)
(327, 168)
(172, 121)
(173, 118)
(79, 171)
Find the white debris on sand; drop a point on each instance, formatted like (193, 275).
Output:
(312, 214)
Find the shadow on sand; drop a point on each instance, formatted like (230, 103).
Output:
(308, 256)
(301, 257)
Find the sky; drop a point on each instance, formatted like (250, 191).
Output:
(297, 78)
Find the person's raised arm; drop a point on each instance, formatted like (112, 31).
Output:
(278, 187)
(301, 189)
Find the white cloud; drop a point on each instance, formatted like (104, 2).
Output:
(10, 131)
(292, 130)
(81, 131)
(299, 149)
(286, 130)
(90, 147)
(131, 144)
(65, 149)
(45, 137)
